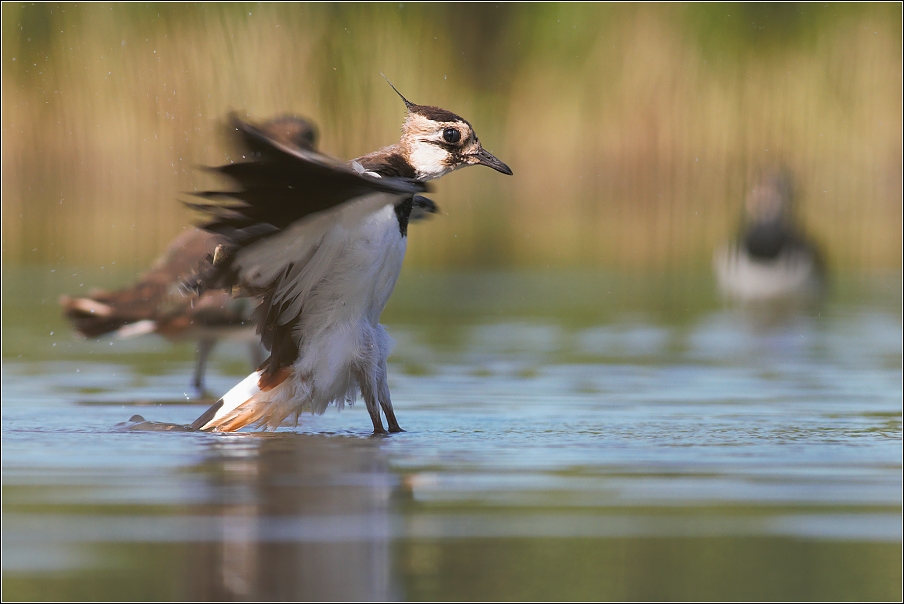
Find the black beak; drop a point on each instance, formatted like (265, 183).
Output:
(486, 158)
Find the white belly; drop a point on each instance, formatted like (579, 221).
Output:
(339, 323)
(793, 274)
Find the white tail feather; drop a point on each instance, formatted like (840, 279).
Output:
(87, 305)
(138, 328)
(240, 394)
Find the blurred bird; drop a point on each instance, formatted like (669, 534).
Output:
(157, 304)
(772, 260)
(323, 242)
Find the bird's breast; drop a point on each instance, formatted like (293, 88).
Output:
(365, 270)
(384, 251)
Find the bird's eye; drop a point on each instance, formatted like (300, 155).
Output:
(451, 135)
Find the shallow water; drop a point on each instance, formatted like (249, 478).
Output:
(570, 435)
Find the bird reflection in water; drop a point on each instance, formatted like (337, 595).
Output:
(298, 517)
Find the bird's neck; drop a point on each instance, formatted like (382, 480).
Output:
(388, 162)
(418, 161)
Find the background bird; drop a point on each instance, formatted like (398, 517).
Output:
(322, 242)
(157, 303)
(772, 259)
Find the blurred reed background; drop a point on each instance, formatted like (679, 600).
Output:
(633, 131)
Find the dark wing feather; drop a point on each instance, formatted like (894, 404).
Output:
(281, 184)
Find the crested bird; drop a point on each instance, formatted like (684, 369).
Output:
(156, 302)
(322, 242)
(772, 259)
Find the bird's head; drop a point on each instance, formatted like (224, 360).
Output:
(770, 199)
(435, 142)
(292, 131)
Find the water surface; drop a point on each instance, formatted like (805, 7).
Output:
(570, 435)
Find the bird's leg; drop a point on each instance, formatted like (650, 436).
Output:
(370, 401)
(386, 401)
(390, 414)
(205, 345)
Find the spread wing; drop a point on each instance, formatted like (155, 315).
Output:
(281, 184)
(276, 224)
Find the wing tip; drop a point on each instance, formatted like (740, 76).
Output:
(207, 416)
